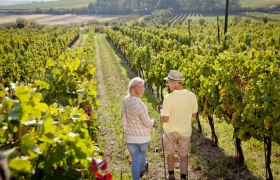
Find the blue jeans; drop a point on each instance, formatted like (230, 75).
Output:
(138, 155)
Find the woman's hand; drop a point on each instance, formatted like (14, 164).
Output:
(154, 123)
(159, 107)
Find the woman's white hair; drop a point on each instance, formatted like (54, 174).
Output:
(134, 82)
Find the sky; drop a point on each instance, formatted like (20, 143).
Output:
(12, 2)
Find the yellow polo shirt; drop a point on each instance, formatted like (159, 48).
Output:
(179, 106)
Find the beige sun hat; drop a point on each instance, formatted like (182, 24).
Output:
(175, 76)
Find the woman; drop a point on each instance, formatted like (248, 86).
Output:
(136, 126)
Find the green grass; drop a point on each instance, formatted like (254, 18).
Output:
(81, 41)
(213, 19)
(111, 89)
(259, 3)
(60, 4)
(106, 18)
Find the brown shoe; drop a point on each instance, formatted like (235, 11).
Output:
(145, 170)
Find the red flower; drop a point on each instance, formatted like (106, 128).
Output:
(87, 122)
(98, 176)
(108, 177)
(93, 168)
(88, 110)
(98, 164)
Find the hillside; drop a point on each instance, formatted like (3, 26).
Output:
(259, 3)
(70, 4)
(60, 4)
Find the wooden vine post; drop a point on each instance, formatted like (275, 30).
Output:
(189, 30)
(212, 126)
(218, 26)
(267, 153)
(238, 146)
(198, 123)
(226, 23)
(226, 17)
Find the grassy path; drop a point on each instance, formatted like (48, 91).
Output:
(81, 41)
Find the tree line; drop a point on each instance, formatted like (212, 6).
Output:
(120, 7)
(146, 6)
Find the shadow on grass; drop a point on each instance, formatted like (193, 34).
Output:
(210, 162)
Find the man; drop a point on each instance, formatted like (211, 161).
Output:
(179, 108)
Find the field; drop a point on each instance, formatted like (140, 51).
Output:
(60, 4)
(213, 19)
(46, 19)
(259, 3)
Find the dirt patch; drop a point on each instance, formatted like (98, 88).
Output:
(13, 18)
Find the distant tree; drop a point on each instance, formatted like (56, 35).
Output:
(234, 4)
(33, 24)
(91, 8)
(38, 11)
(164, 4)
(21, 22)
(247, 21)
(237, 19)
(265, 19)
(201, 21)
(129, 6)
(83, 10)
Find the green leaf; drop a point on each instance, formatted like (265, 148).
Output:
(43, 146)
(75, 64)
(55, 72)
(29, 146)
(3, 92)
(23, 94)
(265, 105)
(266, 123)
(48, 138)
(15, 113)
(50, 62)
(81, 150)
(20, 165)
(91, 68)
(59, 154)
(28, 142)
(48, 126)
(41, 107)
(53, 108)
(42, 84)
(37, 98)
